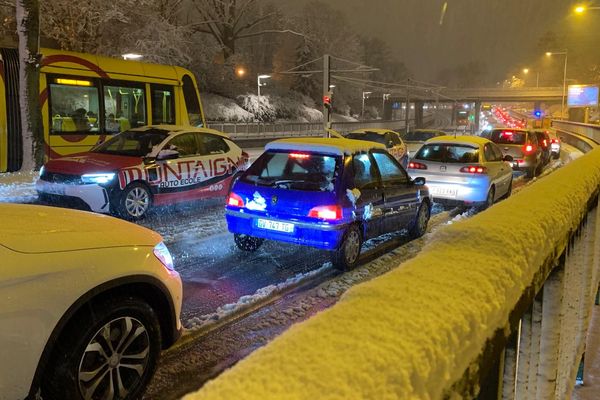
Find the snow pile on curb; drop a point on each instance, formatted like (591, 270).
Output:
(18, 187)
(249, 300)
(411, 333)
(218, 108)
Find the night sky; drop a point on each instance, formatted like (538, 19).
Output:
(501, 34)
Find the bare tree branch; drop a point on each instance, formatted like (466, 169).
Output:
(6, 3)
(247, 35)
(251, 25)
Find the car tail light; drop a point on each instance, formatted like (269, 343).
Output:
(474, 169)
(545, 143)
(235, 200)
(162, 253)
(528, 149)
(326, 212)
(416, 165)
(554, 141)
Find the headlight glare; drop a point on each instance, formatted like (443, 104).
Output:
(98, 178)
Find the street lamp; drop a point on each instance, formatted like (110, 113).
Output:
(566, 54)
(259, 84)
(537, 76)
(582, 9)
(240, 72)
(131, 56)
(365, 95)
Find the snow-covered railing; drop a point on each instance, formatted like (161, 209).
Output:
(291, 129)
(517, 279)
(582, 136)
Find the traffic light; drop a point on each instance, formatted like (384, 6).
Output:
(328, 99)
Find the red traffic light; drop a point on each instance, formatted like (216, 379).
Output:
(327, 100)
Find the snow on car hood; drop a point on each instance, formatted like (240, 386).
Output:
(85, 163)
(40, 229)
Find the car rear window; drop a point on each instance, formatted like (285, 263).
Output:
(368, 136)
(294, 171)
(507, 136)
(448, 153)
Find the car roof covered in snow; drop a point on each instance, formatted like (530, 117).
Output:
(468, 140)
(173, 129)
(324, 145)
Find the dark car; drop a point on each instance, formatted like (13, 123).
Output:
(522, 145)
(331, 194)
(545, 142)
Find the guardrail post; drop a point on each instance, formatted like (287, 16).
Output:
(510, 367)
(524, 357)
(534, 353)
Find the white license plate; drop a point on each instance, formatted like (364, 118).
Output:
(442, 191)
(275, 225)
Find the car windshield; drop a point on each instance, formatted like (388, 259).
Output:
(448, 153)
(132, 143)
(419, 136)
(294, 171)
(507, 136)
(368, 136)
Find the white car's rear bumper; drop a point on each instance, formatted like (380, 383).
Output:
(95, 196)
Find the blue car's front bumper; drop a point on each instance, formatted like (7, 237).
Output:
(319, 234)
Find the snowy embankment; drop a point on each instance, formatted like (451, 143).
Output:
(411, 333)
(18, 187)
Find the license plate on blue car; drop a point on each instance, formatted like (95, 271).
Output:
(275, 225)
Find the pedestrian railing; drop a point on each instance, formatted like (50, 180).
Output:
(495, 306)
(257, 130)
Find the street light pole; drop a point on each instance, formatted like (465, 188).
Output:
(564, 95)
(386, 96)
(365, 95)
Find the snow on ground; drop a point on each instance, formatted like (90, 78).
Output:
(218, 108)
(18, 187)
(413, 332)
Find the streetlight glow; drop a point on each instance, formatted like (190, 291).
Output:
(525, 70)
(548, 53)
(580, 9)
(264, 76)
(240, 71)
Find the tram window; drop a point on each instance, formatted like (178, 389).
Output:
(163, 104)
(73, 106)
(124, 108)
(191, 101)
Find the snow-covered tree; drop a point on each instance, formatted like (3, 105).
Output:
(28, 29)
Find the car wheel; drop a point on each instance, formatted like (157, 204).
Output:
(421, 220)
(346, 255)
(135, 202)
(108, 352)
(530, 172)
(556, 156)
(247, 242)
(489, 200)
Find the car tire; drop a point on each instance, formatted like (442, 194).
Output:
(97, 344)
(530, 172)
(419, 226)
(489, 199)
(346, 256)
(134, 202)
(556, 156)
(247, 242)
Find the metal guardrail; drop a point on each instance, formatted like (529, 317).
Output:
(295, 129)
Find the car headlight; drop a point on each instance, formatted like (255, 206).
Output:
(164, 256)
(42, 170)
(97, 178)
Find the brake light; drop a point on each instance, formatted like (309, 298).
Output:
(416, 165)
(326, 212)
(474, 169)
(235, 200)
(528, 149)
(554, 141)
(299, 155)
(545, 143)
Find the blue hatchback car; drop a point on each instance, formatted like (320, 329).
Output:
(332, 194)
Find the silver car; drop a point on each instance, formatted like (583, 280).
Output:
(463, 170)
(417, 138)
(522, 145)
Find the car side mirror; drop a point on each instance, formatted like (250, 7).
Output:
(507, 158)
(167, 154)
(419, 181)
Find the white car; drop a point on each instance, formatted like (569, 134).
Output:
(390, 139)
(144, 167)
(87, 303)
(463, 169)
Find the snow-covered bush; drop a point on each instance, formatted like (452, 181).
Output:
(263, 111)
(219, 108)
